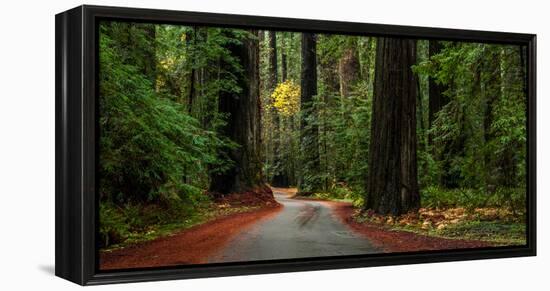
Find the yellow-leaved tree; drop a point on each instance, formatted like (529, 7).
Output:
(286, 98)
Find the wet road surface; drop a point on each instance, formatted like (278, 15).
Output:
(302, 229)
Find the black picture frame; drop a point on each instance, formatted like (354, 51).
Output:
(76, 202)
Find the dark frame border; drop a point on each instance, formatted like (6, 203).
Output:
(76, 59)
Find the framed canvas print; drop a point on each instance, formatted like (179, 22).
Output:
(198, 144)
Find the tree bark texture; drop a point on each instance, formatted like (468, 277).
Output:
(243, 124)
(392, 182)
(309, 139)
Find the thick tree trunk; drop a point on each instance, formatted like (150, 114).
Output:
(243, 124)
(348, 69)
(392, 182)
(309, 139)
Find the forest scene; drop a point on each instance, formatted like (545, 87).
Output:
(224, 145)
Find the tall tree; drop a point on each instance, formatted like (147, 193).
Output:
(193, 74)
(435, 90)
(348, 67)
(272, 60)
(309, 139)
(284, 66)
(279, 178)
(289, 143)
(509, 124)
(491, 81)
(437, 99)
(392, 183)
(138, 40)
(329, 75)
(243, 123)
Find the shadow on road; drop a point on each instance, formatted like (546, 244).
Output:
(308, 215)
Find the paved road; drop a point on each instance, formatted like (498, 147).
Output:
(301, 229)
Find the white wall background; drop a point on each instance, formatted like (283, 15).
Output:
(27, 144)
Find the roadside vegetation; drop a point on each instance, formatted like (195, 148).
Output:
(131, 224)
(168, 147)
(498, 218)
(426, 136)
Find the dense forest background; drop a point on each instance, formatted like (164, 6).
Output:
(189, 114)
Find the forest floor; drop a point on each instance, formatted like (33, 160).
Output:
(249, 227)
(432, 228)
(192, 242)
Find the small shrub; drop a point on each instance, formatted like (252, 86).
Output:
(113, 228)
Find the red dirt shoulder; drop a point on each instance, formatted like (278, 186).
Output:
(190, 246)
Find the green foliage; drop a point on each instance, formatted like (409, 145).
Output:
(148, 143)
(134, 222)
(505, 233)
(344, 137)
(479, 136)
(159, 122)
(195, 65)
(113, 228)
(342, 122)
(311, 178)
(507, 198)
(341, 192)
(153, 153)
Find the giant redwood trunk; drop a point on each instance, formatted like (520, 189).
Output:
(309, 180)
(392, 183)
(243, 124)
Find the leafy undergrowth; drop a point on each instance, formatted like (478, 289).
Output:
(340, 193)
(124, 226)
(498, 226)
(203, 214)
(504, 198)
(327, 196)
(469, 214)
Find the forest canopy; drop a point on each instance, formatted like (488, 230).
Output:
(188, 114)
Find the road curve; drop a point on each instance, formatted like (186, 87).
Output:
(302, 229)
